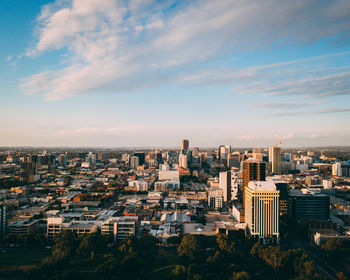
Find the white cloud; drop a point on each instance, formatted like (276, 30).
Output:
(116, 46)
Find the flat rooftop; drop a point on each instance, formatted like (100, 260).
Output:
(262, 186)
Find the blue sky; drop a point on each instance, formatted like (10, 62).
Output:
(149, 73)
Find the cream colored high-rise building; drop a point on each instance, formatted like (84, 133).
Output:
(182, 161)
(262, 210)
(275, 159)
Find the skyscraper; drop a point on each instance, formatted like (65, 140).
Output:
(134, 162)
(225, 184)
(183, 161)
(185, 145)
(141, 157)
(224, 154)
(253, 170)
(262, 209)
(275, 159)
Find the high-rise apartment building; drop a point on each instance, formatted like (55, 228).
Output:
(225, 184)
(275, 159)
(262, 210)
(185, 144)
(336, 169)
(183, 161)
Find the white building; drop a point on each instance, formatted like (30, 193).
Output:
(166, 173)
(183, 161)
(336, 169)
(225, 184)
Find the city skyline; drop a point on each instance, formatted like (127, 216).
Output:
(150, 73)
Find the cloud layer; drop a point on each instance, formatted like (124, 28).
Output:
(113, 46)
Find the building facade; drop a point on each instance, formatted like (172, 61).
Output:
(262, 210)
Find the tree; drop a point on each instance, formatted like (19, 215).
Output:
(243, 275)
(88, 245)
(190, 247)
(225, 244)
(179, 272)
(332, 246)
(273, 256)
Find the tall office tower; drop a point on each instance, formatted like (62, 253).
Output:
(336, 169)
(134, 162)
(275, 159)
(224, 152)
(183, 161)
(62, 160)
(185, 144)
(141, 157)
(262, 210)
(253, 170)
(225, 184)
(3, 219)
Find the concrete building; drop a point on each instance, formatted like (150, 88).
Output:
(166, 173)
(336, 169)
(183, 161)
(262, 210)
(215, 198)
(24, 227)
(57, 224)
(119, 227)
(225, 184)
(275, 159)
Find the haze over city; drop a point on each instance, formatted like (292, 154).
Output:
(149, 73)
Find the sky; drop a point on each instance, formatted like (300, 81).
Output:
(147, 73)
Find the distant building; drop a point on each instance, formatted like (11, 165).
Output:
(166, 173)
(134, 162)
(336, 169)
(224, 154)
(275, 159)
(308, 204)
(62, 160)
(262, 210)
(183, 164)
(185, 144)
(141, 157)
